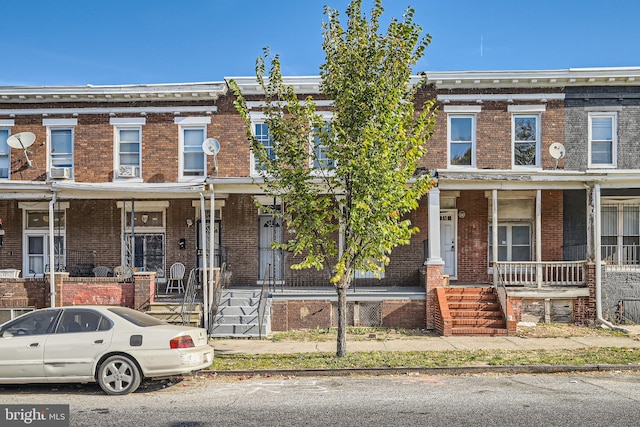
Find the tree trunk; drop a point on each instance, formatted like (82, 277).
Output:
(341, 344)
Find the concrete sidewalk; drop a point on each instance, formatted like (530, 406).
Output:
(266, 346)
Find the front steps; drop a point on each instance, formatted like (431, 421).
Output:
(170, 312)
(475, 311)
(237, 315)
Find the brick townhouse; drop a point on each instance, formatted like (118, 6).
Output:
(534, 169)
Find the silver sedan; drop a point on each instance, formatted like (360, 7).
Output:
(115, 346)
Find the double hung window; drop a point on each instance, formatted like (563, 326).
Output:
(526, 140)
(60, 133)
(128, 147)
(462, 140)
(602, 139)
(192, 133)
(5, 154)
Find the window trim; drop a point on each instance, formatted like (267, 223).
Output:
(60, 124)
(6, 125)
(191, 123)
(473, 117)
(509, 224)
(327, 117)
(119, 124)
(538, 149)
(614, 142)
(256, 119)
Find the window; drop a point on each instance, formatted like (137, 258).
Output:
(192, 133)
(462, 140)
(514, 242)
(37, 242)
(60, 133)
(526, 140)
(620, 233)
(145, 251)
(128, 147)
(320, 157)
(602, 139)
(5, 154)
(261, 132)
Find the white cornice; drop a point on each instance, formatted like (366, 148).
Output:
(208, 109)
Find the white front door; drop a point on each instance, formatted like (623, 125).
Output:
(448, 241)
(271, 260)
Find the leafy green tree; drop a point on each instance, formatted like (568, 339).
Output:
(354, 177)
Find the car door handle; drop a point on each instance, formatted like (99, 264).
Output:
(34, 345)
(98, 341)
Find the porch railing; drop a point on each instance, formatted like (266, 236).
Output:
(546, 273)
(621, 257)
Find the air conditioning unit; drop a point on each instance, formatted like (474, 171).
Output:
(60, 173)
(126, 171)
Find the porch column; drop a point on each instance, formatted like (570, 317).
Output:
(539, 238)
(494, 234)
(433, 197)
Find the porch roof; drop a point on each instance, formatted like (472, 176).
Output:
(138, 190)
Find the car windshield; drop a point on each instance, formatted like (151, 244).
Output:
(136, 317)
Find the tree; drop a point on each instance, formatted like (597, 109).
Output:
(367, 154)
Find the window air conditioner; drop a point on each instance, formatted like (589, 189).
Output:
(126, 171)
(60, 173)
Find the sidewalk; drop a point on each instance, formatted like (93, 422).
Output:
(265, 346)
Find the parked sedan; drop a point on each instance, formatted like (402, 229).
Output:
(115, 346)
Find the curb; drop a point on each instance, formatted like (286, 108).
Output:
(458, 370)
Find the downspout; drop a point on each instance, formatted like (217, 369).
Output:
(52, 247)
(203, 262)
(598, 260)
(212, 235)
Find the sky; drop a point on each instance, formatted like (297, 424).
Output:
(119, 42)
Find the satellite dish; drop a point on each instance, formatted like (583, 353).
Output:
(211, 146)
(21, 140)
(556, 150)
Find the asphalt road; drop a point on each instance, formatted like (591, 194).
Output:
(595, 399)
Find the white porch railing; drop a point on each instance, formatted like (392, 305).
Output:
(546, 273)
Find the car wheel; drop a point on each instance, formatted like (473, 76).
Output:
(118, 375)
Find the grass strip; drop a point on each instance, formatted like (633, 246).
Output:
(428, 359)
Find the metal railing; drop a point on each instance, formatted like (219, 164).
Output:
(219, 286)
(545, 273)
(501, 290)
(190, 293)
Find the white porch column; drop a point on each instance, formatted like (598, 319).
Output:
(433, 197)
(494, 234)
(539, 238)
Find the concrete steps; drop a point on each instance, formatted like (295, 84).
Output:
(475, 312)
(237, 315)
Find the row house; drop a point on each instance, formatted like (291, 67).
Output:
(534, 215)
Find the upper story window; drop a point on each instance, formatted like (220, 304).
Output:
(462, 140)
(320, 158)
(192, 133)
(261, 131)
(602, 140)
(128, 147)
(60, 133)
(526, 140)
(5, 150)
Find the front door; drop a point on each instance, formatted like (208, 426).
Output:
(448, 241)
(271, 260)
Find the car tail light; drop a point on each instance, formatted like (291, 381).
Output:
(183, 341)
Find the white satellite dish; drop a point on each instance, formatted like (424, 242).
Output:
(211, 146)
(556, 150)
(21, 141)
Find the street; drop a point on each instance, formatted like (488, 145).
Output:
(606, 398)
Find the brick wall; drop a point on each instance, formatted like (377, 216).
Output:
(24, 293)
(403, 314)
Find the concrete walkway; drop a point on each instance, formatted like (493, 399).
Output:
(265, 346)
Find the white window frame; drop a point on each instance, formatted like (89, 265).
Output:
(59, 125)
(191, 123)
(326, 117)
(538, 142)
(509, 243)
(257, 118)
(6, 125)
(614, 136)
(120, 124)
(462, 112)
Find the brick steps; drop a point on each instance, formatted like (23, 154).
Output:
(475, 312)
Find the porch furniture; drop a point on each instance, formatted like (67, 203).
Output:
(123, 272)
(102, 271)
(176, 278)
(9, 273)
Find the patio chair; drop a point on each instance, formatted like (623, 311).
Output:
(123, 272)
(102, 272)
(176, 278)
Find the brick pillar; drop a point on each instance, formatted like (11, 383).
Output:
(433, 274)
(145, 287)
(60, 279)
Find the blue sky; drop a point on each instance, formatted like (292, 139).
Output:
(77, 42)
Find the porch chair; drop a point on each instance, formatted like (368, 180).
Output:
(102, 272)
(123, 272)
(176, 278)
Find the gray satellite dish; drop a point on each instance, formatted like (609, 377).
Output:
(22, 141)
(211, 146)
